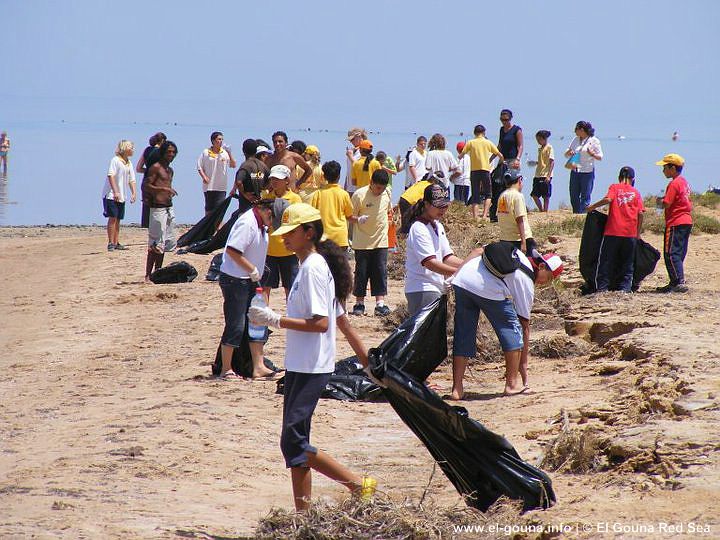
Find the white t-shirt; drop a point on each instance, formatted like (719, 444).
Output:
(518, 286)
(587, 162)
(464, 170)
(312, 293)
(247, 237)
(441, 160)
(123, 173)
(349, 186)
(215, 166)
(423, 243)
(416, 160)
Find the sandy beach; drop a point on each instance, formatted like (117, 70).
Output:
(111, 425)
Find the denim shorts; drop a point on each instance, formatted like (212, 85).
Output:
(500, 313)
(113, 209)
(237, 295)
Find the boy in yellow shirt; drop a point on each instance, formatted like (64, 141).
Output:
(512, 215)
(280, 262)
(334, 205)
(480, 151)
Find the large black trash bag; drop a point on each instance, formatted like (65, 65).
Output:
(419, 345)
(177, 272)
(347, 383)
(213, 273)
(219, 240)
(206, 227)
(241, 361)
(646, 256)
(481, 465)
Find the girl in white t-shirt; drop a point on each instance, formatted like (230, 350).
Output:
(120, 172)
(313, 313)
(429, 258)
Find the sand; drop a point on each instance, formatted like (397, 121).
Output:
(111, 425)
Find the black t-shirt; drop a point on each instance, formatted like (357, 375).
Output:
(507, 142)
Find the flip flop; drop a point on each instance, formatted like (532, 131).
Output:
(271, 377)
(229, 376)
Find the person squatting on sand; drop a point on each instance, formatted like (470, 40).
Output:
(314, 310)
(428, 258)
(678, 222)
(507, 303)
(622, 230)
(120, 173)
(240, 272)
(161, 226)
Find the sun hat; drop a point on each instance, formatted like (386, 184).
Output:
(295, 215)
(437, 196)
(281, 172)
(671, 159)
(313, 150)
(552, 260)
(365, 144)
(459, 146)
(355, 132)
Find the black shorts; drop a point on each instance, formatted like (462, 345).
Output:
(541, 188)
(481, 188)
(113, 209)
(280, 267)
(213, 199)
(301, 394)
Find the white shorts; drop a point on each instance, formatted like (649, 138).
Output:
(161, 229)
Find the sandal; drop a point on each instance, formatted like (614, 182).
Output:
(229, 375)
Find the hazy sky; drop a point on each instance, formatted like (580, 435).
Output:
(640, 65)
(77, 76)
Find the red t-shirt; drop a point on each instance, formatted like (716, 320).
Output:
(625, 206)
(677, 197)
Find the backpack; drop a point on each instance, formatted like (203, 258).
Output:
(177, 272)
(501, 260)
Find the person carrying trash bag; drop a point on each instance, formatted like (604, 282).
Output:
(314, 308)
(500, 283)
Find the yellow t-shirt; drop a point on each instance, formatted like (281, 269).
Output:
(335, 207)
(362, 178)
(415, 192)
(315, 182)
(545, 154)
(374, 232)
(511, 205)
(276, 247)
(479, 149)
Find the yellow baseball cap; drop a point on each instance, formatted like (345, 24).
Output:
(313, 150)
(671, 159)
(295, 215)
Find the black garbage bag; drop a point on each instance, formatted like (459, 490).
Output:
(241, 361)
(646, 256)
(177, 272)
(347, 383)
(481, 465)
(206, 227)
(218, 241)
(213, 273)
(419, 345)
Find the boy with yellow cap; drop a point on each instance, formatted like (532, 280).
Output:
(678, 222)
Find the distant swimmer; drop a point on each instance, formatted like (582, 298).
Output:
(675, 136)
(4, 149)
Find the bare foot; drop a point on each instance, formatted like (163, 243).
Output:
(515, 391)
(265, 375)
(456, 395)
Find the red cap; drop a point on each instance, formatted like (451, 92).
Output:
(460, 146)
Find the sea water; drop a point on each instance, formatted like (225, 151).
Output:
(57, 169)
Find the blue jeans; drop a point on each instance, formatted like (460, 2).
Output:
(237, 295)
(581, 186)
(500, 313)
(674, 251)
(617, 258)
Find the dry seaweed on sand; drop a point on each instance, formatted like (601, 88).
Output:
(386, 519)
(574, 450)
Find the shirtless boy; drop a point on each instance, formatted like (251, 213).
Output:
(283, 156)
(161, 231)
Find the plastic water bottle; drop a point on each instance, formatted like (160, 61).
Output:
(255, 331)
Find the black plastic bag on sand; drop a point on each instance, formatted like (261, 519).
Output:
(177, 272)
(241, 361)
(206, 227)
(218, 241)
(646, 256)
(213, 273)
(481, 465)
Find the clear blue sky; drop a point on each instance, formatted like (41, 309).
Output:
(640, 68)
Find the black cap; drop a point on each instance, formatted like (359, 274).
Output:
(511, 177)
(626, 172)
